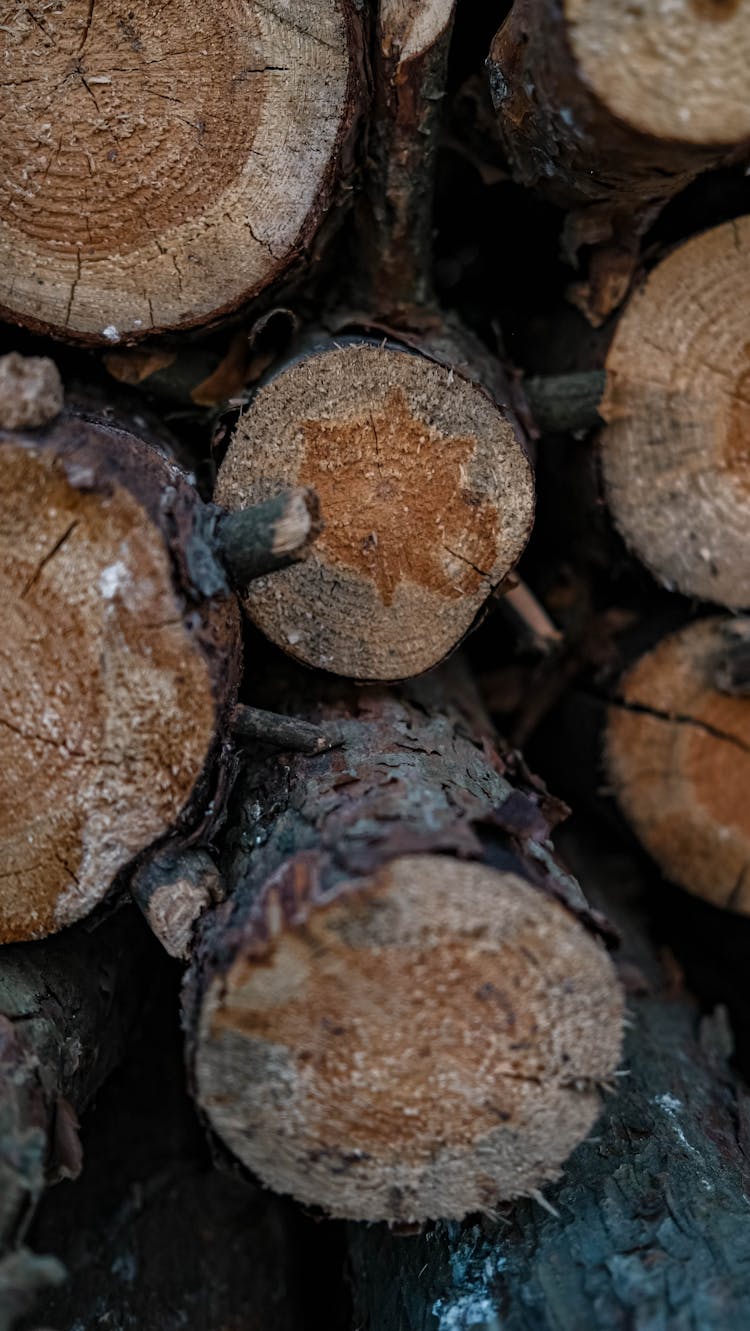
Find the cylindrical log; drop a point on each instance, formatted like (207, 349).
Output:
(674, 452)
(677, 754)
(118, 669)
(427, 496)
(403, 1009)
(66, 1007)
(395, 211)
(159, 169)
(647, 1226)
(152, 1237)
(611, 110)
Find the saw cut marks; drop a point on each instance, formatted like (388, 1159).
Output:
(161, 164)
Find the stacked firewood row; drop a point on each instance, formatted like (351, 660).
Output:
(266, 462)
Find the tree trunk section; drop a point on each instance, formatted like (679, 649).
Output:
(677, 756)
(404, 1008)
(674, 452)
(648, 1225)
(611, 112)
(426, 493)
(159, 171)
(118, 670)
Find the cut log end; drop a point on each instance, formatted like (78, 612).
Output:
(424, 1046)
(676, 450)
(427, 498)
(108, 701)
(270, 535)
(174, 889)
(678, 759)
(671, 71)
(156, 172)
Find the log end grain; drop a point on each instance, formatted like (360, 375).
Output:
(425, 1045)
(427, 497)
(678, 758)
(113, 678)
(671, 71)
(159, 169)
(676, 449)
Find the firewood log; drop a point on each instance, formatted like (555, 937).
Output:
(674, 451)
(648, 1224)
(403, 1009)
(677, 757)
(427, 494)
(610, 111)
(159, 169)
(121, 650)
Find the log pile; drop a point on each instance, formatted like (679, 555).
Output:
(374, 475)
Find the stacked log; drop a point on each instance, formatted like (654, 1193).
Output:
(403, 1009)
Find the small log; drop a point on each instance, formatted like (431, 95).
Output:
(612, 111)
(674, 452)
(677, 754)
(66, 1008)
(395, 211)
(648, 1224)
(160, 171)
(427, 495)
(403, 1009)
(161, 1241)
(268, 536)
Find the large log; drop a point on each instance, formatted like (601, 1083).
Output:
(677, 757)
(610, 111)
(403, 1009)
(161, 1240)
(674, 451)
(160, 168)
(647, 1226)
(121, 651)
(427, 494)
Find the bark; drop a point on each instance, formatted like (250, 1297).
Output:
(269, 536)
(67, 1006)
(425, 488)
(370, 1015)
(673, 451)
(677, 758)
(161, 1240)
(120, 665)
(395, 214)
(647, 1227)
(133, 210)
(610, 115)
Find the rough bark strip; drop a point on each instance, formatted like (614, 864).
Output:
(411, 43)
(370, 1015)
(651, 1225)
